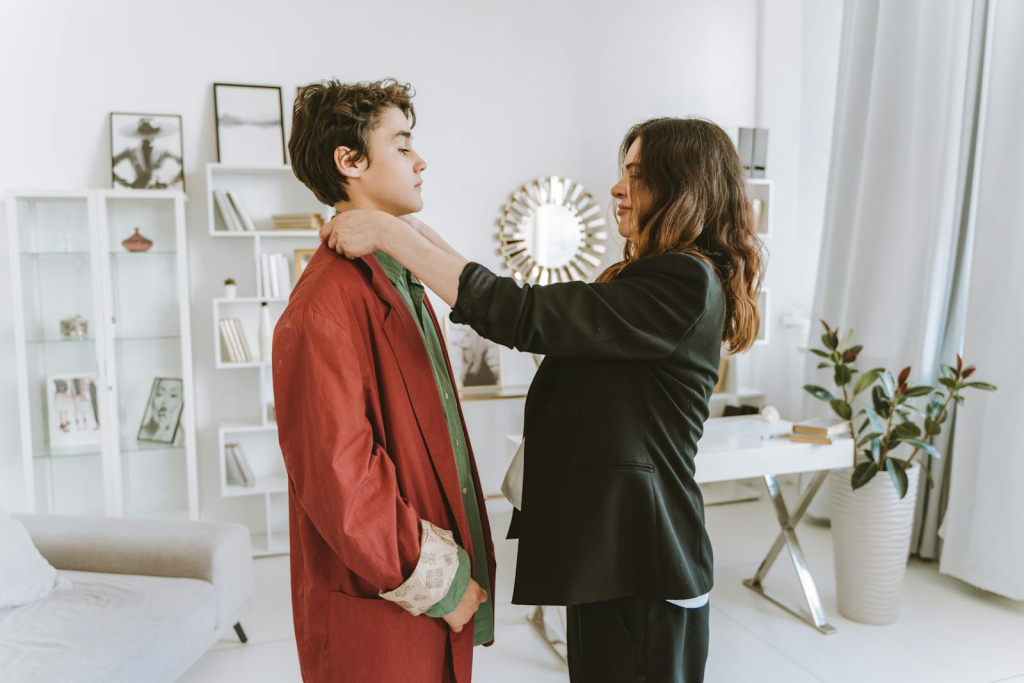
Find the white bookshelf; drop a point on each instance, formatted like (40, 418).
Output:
(762, 189)
(81, 451)
(264, 191)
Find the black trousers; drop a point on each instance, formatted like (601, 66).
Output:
(637, 640)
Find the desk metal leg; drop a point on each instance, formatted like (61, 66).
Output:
(544, 620)
(787, 538)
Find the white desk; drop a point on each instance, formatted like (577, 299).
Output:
(731, 448)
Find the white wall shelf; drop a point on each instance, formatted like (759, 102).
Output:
(80, 451)
(264, 192)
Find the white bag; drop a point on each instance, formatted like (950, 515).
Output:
(512, 487)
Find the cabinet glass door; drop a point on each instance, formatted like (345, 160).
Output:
(62, 331)
(147, 350)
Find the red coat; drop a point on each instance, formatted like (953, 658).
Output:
(368, 455)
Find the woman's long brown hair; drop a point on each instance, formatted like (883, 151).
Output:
(695, 202)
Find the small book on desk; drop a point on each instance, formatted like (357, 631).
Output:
(822, 427)
(810, 438)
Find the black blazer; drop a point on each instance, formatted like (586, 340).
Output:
(610, 505)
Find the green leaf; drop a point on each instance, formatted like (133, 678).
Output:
(959, 399)
(924, 446)
(818, 352)
(984, 386)
(841, 408)
(824, 365)
(898, 476)
(866, 380)
(863, 474)
(863, 426)
(880, 402)
(914, 392)
(829, 340)
(818, 392)
(907, 430)
(931, 427)
(869, 437)
(876, 451)
(948, 371)
(947, 382)
(856, 349)
(877, 423)
(888, 383)
(846, 338)
(843, 375)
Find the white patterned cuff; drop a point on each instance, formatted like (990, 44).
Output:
(433, 575)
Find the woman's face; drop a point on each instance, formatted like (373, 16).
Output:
(627, 209)
(165, 401)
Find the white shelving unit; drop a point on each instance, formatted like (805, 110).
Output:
(264, 191)
(762, 189)
(82, 401)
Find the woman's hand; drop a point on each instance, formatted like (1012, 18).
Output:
(359, 232)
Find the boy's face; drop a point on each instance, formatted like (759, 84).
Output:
(389, 179)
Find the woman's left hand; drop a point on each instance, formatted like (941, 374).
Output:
(358, 232)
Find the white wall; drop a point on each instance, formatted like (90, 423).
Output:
(507, 91)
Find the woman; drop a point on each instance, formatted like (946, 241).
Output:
(612, 520)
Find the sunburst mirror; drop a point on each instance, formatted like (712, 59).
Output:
(552, 230)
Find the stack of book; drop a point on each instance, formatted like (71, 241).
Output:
(239, 472)
(234, 347)
(819, 431)
(298, 221)
(232, 212)
(276, 278)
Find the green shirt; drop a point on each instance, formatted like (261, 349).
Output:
(412, 294)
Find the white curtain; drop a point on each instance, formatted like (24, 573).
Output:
(891, 236)
(983, 528)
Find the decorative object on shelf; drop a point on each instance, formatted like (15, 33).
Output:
(230, 288)
(266, 333)
(75, 327)
(271, 413)
(872, 517)
(234, 345)
(250, 124)
(137, 243)
(723, 374)
(551, 230)
(752, 145)
(162, 417)
(239, 472)
(73, 412)
(302, 259)
(146, 151)
(476, 362)
(298, 221)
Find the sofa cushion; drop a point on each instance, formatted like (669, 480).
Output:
(109, 627)
(25, 575)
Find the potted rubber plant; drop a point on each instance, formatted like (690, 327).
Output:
(873, 516)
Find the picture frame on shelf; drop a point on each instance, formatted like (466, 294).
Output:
(146, 151)
(73, 413)
(476, 362)
(250, 124)
(162, 417)
(302, 258)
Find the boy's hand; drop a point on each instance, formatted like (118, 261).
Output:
(471, 601)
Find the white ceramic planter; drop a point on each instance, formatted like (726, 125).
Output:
(871, 530)
(230, 291)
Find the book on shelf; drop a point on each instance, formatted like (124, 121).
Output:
(236, 325)
(238, 465)
(227, 213)
(275, 275)
(240, 212)
(298, 221)
(822, 426)
(284, 275)
(811, 438)
(275, 281)
(229, 352)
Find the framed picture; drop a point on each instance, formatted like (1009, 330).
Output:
(146, 152)
(163, 411)
(302, 257)
(476, 362)
(73, 410)
(250, 124)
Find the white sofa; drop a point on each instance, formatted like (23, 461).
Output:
(148, 598)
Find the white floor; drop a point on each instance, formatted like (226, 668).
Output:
(947, 631)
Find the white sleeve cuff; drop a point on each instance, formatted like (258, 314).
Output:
(433, 575)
